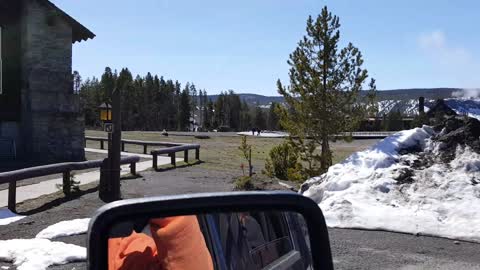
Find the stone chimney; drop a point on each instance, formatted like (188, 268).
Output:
(421, 105)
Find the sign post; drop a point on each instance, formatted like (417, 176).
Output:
(109, 189)
(116, 145)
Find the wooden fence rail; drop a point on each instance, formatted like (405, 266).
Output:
(145, 144)
(169, 148)
(12, 177)
(171, 153)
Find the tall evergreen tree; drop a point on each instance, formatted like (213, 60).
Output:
(193, 99)
(272, 119)
(209, 120)
(129, 111)
(91, 97)
(185, 107)
(259, 120)
(245, 117)
(323, 92)
(108, 84)
(77, 82)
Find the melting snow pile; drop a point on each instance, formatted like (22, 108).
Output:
(268, 134)
(40, 253)
(421, 181)
(7, 217)
(65, 228)
(36, 254)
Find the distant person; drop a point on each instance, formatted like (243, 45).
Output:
(259, 131)
(253, 131)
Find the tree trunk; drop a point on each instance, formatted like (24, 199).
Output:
(326, 158)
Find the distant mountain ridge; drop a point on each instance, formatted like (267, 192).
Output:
(395, 94)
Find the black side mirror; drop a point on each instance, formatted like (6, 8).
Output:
(236, 230)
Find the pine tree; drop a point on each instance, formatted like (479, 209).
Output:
(245, 117)
(128, 110)
(219, 114)
(107, 83)
(193, 102)
(184, 114)
(394, 121)
(272, 122)
(209, 115)
(259, 120)
(323, 94)
(77, 82)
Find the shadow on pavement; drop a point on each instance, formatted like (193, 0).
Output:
(58, 201)
(183, 165)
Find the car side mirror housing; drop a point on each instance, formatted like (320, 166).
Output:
(234, 230)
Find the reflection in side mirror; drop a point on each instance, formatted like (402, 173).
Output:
(236, 240)
(251, 230)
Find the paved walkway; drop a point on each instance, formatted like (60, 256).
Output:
(49, 186)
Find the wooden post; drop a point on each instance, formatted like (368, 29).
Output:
(145, 148)
(250, 168)
(116, 144)
(197, 153)
(173, 160)
(155, 161)
(66, 183)
(101, 145)
(12, 195)
(185, 156)
(123, 147)
(133, 168)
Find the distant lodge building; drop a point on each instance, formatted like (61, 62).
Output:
(39, 113)
(400, 122)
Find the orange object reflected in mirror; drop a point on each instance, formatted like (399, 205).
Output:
(240, 240)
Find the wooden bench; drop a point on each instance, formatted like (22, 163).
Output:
(12, 177)
(171, 153)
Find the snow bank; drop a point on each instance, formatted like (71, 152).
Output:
(269, 134)
(38, 254)
(7, 217)
(361, 192)
(65, 228)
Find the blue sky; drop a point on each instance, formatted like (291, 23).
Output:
(244, 45)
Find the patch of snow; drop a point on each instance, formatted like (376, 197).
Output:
(65, 228)
(361, 192)
(36, 254)
(464, 105)
(468, 106)
(268, 134)
(7, 217)
(406, 107)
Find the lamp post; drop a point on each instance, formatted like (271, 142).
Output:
(106, 118)
(105, 112)
(109, 189)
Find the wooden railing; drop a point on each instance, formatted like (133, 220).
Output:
(169, 148)
(368, 134)
(12, 177)
(171, 151)
(145, 144)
